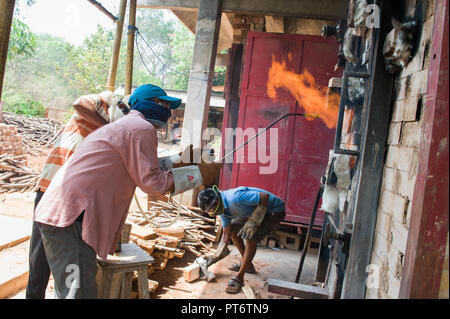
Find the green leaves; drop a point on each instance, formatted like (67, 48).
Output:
(22, 104)
(22, 41)
(87, 66)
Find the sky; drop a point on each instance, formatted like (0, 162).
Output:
(71, 20)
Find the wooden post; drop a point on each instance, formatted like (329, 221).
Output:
(200, 81)
(202, 71)
(6, 14)
(116, 47)
(130, 48)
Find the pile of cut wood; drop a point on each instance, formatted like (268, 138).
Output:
(37, 133)
(15, 175)
(187, 230)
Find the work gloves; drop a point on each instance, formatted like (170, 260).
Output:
(221, 252)
(190, 175)
(209, 171)
(249, 229)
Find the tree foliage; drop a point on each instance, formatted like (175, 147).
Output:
(87, 65)
(44, 70)
(21, 41)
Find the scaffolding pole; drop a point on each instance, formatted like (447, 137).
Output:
(130, 47)
(116, 47)
(103, 9)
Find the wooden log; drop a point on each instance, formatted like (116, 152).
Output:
(191, 250)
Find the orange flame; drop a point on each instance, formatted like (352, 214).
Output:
(316, 101)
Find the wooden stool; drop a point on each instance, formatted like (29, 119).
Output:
(115, 274)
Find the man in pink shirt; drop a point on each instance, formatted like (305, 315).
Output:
(83, 210)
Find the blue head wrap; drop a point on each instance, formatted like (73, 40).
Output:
(149, 91)
(153, 112)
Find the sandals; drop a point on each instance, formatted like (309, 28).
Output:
(237, 267)
(234, 285)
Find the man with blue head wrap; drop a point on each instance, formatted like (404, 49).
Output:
(82, 213)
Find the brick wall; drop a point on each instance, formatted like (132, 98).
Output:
(10, 140)
(400, 168)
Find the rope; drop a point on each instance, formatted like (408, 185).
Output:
(165, 66)
(149, 218)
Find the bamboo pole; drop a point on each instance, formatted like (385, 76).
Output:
(130, 48)
(6, 15)
(103, 9)
(116, 46)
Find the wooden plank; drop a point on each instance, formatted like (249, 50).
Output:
(174, 231)
(249, 292)
(191, 272)
(130, 255)
(143, 232)
(325, 9)
(297, 290)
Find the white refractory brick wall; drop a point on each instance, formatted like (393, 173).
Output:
(10, 140)
(400, 167)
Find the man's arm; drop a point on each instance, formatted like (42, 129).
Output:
(222, 249)
(86, 109)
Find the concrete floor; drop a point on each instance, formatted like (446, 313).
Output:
(279, 264)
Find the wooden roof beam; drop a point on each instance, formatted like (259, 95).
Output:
(325, 9)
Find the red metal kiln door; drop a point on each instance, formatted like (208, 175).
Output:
(303, 145)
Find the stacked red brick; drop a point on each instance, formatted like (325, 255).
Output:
(10, 140)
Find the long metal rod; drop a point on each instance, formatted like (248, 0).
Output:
(265, 129)
(308, 234)
(99, 6)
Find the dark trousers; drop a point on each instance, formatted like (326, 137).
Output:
(39, 270)
(72, 262)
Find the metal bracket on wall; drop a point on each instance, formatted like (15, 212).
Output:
(345, 100)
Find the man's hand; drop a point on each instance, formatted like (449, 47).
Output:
(249, 229)
(221, 252)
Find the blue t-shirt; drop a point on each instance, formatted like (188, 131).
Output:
(241, 202)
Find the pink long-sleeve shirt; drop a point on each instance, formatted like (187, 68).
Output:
(101, 177)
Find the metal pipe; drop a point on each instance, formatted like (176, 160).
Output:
(116, 46)
(6, 15)
(308, 234)
(99, 6)
(130, 47)
(266, 128)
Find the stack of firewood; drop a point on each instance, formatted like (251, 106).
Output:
(15, 175)
(168, 229)
(37, 133)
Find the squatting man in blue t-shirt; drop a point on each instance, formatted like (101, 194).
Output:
(247, 213)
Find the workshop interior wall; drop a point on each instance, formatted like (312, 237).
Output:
(400, 168)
